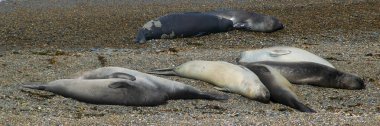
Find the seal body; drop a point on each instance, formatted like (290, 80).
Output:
(229, 77)
(100, 92)
(123, 89)
(281, 54)
(182, 25)
(175, 89)
(281, 91)
(314, 74)
(250, 21)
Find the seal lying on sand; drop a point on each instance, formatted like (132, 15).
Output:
(124, 89)
(279, 87)
(250, 21)
(313, 74)
(281, 54)
(229, 77)
(182, 25)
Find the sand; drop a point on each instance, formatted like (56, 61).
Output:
(44, 40)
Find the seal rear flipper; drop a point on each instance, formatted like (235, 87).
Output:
(37, 87)
(121, 84)
(122, 76)
(164, 71)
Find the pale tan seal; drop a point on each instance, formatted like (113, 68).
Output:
(230, 77)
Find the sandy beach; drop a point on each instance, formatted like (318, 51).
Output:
(45, 40)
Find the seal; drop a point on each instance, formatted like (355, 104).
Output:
(281, 90)
(182, 25)
(249, 21)
(124, 89)
(281, 54)
(313, 74)
(226, 76)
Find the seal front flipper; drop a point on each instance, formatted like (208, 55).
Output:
(121, 84)
(223, 89)
(123, 76)
(201, 34)
(164, 71)
(279, 52)
(240, 25)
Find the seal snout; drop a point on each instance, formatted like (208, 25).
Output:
(352, 82)
(264, 99)
(358, 83)
(280, 26)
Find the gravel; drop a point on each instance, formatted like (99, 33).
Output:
(44, 40)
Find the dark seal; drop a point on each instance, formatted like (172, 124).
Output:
(182, 25)
(279, 87)
(314, 74)
(249, 20)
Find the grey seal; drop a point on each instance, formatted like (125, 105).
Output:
(281, 54)
(249, 20)
(281, 90)
(123, 89)
(227, 76)
(182, 25)
(314, 74)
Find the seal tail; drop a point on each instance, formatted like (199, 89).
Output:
(37, 87)
(164, 71)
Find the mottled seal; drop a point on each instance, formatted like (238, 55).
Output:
(124, 89)
(182, 25)
(281, 54)
(250, 21)
(314, 74)
(227, 76)
(281, 90)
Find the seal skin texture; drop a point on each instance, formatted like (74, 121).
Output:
(182, 25)
(226, 76)
(281, 90)
(250, 21)
(314, 74)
